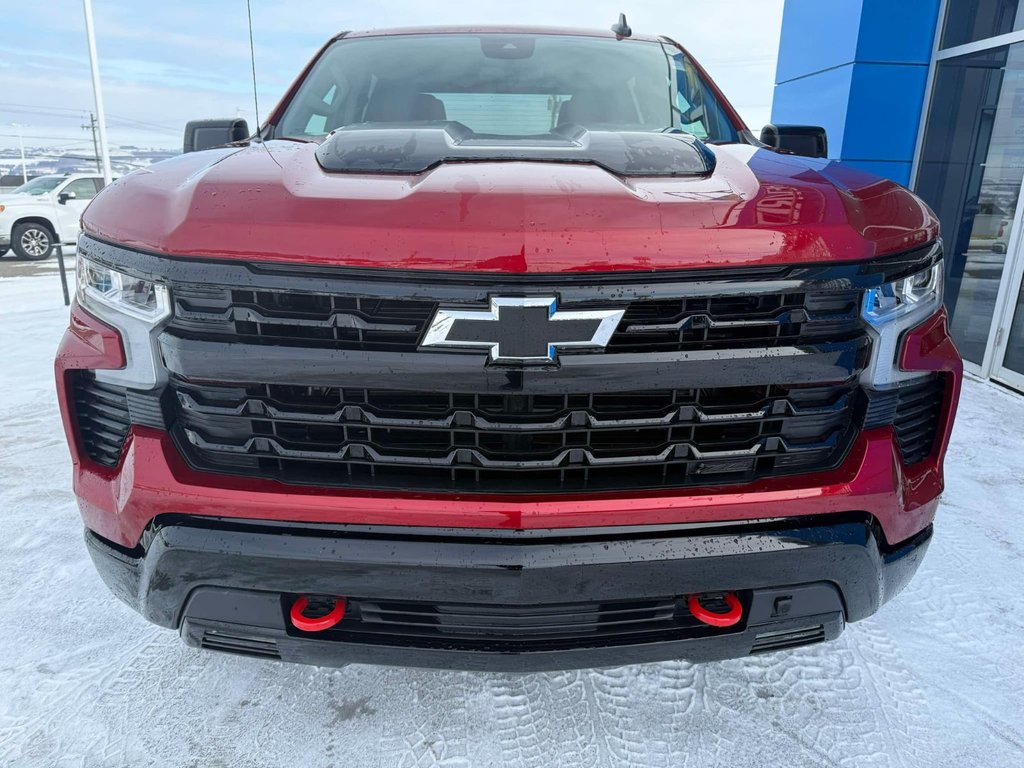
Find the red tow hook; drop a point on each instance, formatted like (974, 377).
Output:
(319, 623)
(713, 618)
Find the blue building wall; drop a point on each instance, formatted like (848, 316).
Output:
(859, 69)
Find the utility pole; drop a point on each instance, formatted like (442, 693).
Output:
(97, 90)
(21, 146)
(95, 143)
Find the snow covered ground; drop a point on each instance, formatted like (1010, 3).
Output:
(936, 679)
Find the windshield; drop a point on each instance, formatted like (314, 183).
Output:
(513, 85)
(40, 185)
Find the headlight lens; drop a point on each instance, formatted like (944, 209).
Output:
(917, 296)
(891, 309)
(102, 290)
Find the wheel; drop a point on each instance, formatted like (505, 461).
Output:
(32, 240)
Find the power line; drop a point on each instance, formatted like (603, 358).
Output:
(87, 158)
(66, 109)
(31, 136)
(76, 114)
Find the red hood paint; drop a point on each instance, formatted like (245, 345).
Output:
(274, 202)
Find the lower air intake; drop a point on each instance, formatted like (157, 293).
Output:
(488, 627)
(791, 638)
(216, 640)
(103, 417)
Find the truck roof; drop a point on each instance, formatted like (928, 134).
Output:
(493, 30)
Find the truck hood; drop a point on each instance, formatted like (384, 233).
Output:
(22, 199)
(275, 202)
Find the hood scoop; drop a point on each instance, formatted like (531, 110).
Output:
(389, 149)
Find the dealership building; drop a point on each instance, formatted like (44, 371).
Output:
(929, 93)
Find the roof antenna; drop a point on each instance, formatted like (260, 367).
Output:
(621, 28)
(252, 58)
(255, 96)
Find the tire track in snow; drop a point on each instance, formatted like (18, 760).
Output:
(435, 730)
(544, 719)
(902, 713)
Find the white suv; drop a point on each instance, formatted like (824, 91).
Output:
(43, 212)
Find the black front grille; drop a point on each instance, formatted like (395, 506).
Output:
(324, 320)
(767, 320)
(486, 627)
(301, 319)
(914, 409)
(103, 417)
(513, 442)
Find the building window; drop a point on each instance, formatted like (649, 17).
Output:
(970, 172)
(968, 21)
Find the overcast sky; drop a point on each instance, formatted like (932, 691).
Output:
(164, 63)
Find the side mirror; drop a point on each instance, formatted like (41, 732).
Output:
(206, 134)
(63, 197)
(803, 140)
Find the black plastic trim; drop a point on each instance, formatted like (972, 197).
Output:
(466, 371)
(474, 287)
(256, 564)
(387, 148)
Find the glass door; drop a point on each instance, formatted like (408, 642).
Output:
(971, 169)
(1008, 349)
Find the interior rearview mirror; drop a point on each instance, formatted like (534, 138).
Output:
(206, 134)
(803, 140)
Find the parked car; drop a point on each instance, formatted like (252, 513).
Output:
(43, 212)
(476, 357)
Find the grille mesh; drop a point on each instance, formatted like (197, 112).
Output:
(496, 442)
(397, 325)
(736, 321)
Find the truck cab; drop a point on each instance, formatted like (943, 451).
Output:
(45, 211)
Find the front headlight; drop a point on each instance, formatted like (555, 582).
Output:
(137, 308)
(107, 292)
(892, 308)
(918, 295)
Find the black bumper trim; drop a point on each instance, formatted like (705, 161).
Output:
(274, 643)
(255, 564)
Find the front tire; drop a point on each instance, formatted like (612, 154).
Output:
(32, 241)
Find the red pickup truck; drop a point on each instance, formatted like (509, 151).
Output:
(506, 348)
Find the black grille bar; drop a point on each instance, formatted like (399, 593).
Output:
(232, 362)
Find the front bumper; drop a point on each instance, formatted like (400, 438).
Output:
(227, 585)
